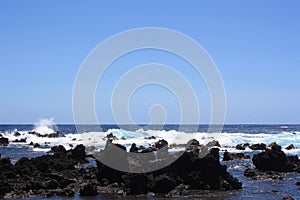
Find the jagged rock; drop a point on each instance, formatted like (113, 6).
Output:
(179, 190)
(135, 183)
(189, 169)
(161, 144)
(133, 148)
(275, 160)
(78, 152)
(291, 146)
(213, 143)
(272, 144)
(69, 192)
(288, 198)
(194, 142)
(162, 184)
(241, 156)
(51, 184)
(246, 145)
(60, 173)
(4, 141)
(36, 145)
(59, 149)
(16, 134)
(111, 136)
(231, 156)
(57, 134)
(5, 187)
(23, 140)
(276, 147)
(115, 158)
(240, 147)
(88, 190)
(47, 175)
(260, 175)
(4, 161)
(249, 173)
(260, 146)
(227, 156)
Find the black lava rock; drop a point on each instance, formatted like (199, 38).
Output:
(276, 160)
(260, 146)
(291, 146)
(213, 144)
(78, 152)
(240, 147)
(135, 183)
(3, 141)
(134, 148)
(189, 169)
(162, 184)
(88, 190)
(249, 173)
(161, 144)
(288, 198)
(23, 140)
(231, 156)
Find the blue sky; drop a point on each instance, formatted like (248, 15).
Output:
(255, 44)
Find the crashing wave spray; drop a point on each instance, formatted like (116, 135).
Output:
(45, 126)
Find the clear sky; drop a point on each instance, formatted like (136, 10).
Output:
(255, 44)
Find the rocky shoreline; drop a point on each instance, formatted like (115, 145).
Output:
(69, 173)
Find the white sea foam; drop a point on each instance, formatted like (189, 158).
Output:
(97, 139)
(284, 127)
(45, 126)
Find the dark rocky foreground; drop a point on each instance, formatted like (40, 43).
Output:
(69, 173)
(66, 173)
(189, 171)
(271, 164)
(275, 159)
(46, 175)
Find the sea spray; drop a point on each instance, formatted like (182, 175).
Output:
(45, 126)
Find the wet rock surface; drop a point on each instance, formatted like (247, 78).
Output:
(232, 156)
(259, 175)
(276, 160)
(88, 190)
(241, 147)
(3, 141)
(23, 140)
(65, 173)
(56, 134)
(46, 175)
(288, 198)
(260, 146)
(189, 170)
(213, 143)
(289, 147)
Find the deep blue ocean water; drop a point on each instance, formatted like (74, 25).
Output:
(228, 128)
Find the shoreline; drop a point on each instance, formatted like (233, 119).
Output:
(96, 187)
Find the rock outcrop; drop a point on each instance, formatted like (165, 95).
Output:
(276, 160)
(46, 175)
(3, 141)
(189, 169)
(231, 156)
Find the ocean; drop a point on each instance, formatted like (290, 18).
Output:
(94, 135)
